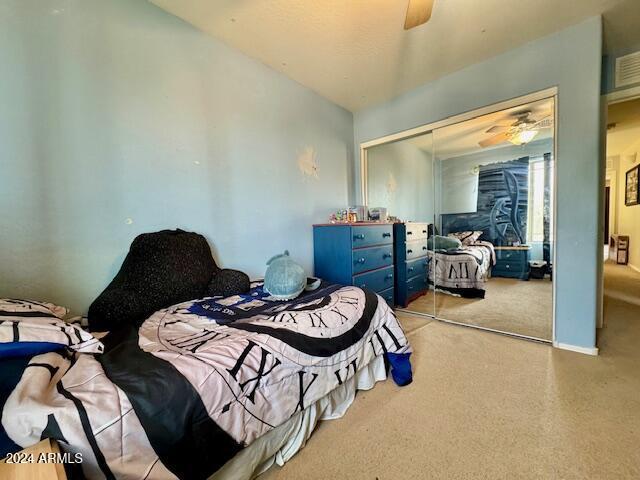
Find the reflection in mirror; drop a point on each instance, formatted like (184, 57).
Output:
(400, 178)
(495, 195)
(484, 190)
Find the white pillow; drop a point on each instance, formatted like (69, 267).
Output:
(467, 238)
(23, 323)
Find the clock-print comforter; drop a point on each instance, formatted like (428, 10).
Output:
(463, 271)
(199, 381)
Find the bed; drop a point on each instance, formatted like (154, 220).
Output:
(462, 271)
(216, 387)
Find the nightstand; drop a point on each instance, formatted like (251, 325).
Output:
(512, 262)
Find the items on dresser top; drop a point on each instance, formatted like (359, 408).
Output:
(378, 214)
(412, 261)
(512, 262)
(359, 254)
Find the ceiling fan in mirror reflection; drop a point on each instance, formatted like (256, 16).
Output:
(520, 132)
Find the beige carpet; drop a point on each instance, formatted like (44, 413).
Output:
(510, 305)
(488, 406)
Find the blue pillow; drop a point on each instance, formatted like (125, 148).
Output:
(443, 243)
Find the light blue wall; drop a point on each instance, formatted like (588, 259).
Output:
(412, 171)
(114, 109)
(571, 60)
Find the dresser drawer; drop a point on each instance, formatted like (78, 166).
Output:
(416, 249)
(511, 256)
(365, 259)
(388, 296)
(416, 285)
(417, 267)
(505, 266)
(367, 236)
(417, 231)
(511, 270)
(377, 280)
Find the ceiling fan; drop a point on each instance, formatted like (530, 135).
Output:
(418, 12)
(522, 131)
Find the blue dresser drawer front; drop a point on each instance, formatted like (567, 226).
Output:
(510, 269)
(511, 256)
(416, 285)
(365, 259)
(416, 249)
(417, 267)
(377, 280)
(366, 236)
(388, 296)
(417, 231)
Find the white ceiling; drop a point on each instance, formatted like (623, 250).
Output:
(356, 52)
(624, 137)
(462, 138)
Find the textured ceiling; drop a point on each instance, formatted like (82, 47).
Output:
(356, 52)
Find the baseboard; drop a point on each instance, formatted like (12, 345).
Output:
(576, 348)
(633, 267)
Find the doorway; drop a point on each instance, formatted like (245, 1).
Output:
(621, 217)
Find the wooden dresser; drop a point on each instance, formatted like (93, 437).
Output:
(359, 254)
(412, 262)
(512, 262)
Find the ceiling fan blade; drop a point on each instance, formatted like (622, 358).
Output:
(498, 129)
(544, 123)
(418, 12)
(496, 139)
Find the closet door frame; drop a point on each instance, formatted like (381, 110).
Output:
(549, 93)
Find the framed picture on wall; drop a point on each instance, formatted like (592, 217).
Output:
(632, 191)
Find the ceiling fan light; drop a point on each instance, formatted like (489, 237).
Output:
(523, 137)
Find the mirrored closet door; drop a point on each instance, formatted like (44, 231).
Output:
(495, 189)
(481, 193)
(400, 178)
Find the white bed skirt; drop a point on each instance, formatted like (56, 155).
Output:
(282, 443)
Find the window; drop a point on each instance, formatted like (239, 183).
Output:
(536, 220)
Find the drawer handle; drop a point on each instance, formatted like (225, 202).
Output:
(411, 287)
(386, 234)
(508, 266)
(409, 232)
(359, 236)
(424, 248)
(424, 231)
(361, 260)
(410, 269)
(389, 276)
(387, 255)
(409, 251)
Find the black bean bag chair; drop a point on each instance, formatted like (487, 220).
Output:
(160, 270)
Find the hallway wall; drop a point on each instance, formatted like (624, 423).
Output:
(628, 216)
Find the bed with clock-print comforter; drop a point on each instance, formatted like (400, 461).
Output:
(205, 381)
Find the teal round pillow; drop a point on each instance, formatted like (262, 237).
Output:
(284, 279)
